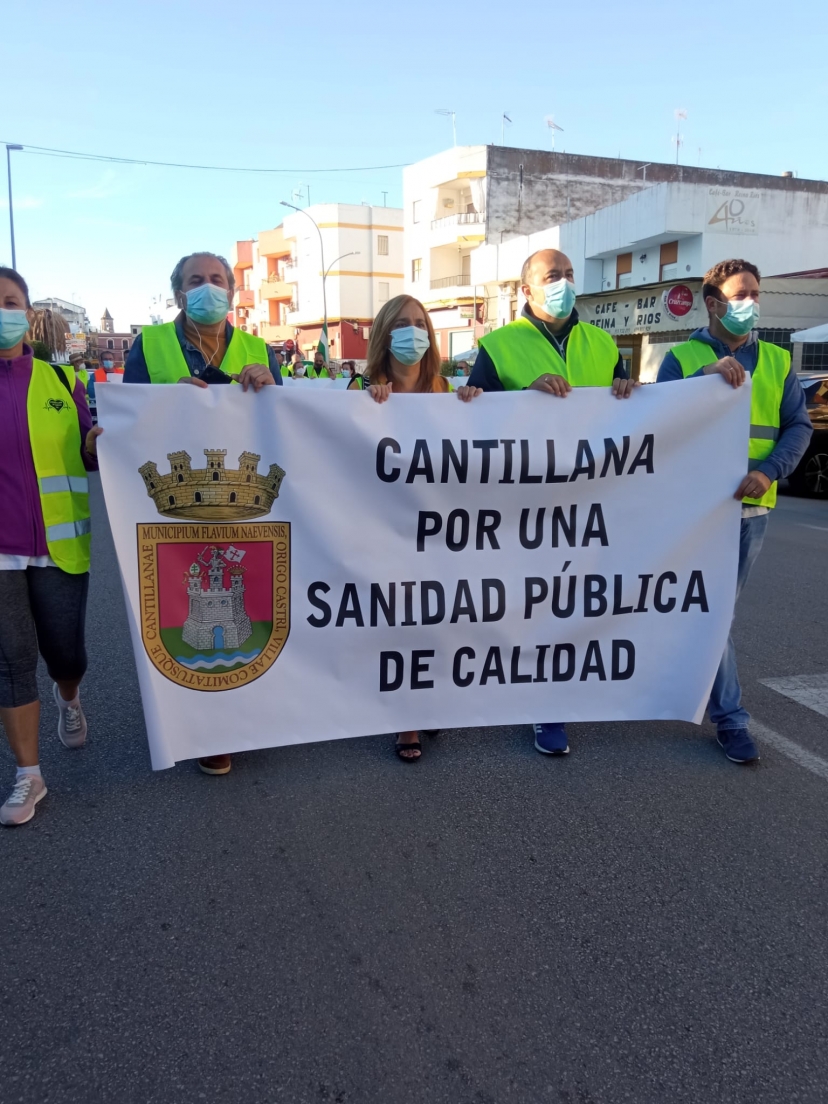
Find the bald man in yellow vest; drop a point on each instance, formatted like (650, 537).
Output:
(549, 349)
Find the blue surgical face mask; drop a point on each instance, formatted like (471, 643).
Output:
(559, 298)
(409, 344)
(740, 317)
(13, 327)
(207, 304)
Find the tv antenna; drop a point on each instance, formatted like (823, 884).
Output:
(681, 116)
(553, 126)
(447, 111)
(504, 119)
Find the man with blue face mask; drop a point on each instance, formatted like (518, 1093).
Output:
(779, 434)
(549, 349)
(201, 346)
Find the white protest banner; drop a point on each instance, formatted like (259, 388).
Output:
(304, 565)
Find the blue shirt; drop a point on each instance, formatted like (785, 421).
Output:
(484, 374)
(795, 427)
(136, 371)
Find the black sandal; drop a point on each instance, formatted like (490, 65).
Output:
(413, 745)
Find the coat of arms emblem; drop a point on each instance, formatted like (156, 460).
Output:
(215, 592)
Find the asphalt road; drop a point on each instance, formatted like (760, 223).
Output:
(642, 921)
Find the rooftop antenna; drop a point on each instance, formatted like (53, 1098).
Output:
(681, 116)
(504, 119)
(385, 199)
(453, 114)
(553, 126)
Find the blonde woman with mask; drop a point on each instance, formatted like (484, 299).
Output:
(403, 356)
(404, 359)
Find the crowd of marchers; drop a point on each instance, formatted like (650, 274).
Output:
(48, 445)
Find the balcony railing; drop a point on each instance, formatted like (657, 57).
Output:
(465, 218)
(276, 289)
(451, 281)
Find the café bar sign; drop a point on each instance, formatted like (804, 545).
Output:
(644, 310)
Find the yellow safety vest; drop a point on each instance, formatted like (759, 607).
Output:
(769, 375)
(166, 363)
(83, 376)
(521, 353)
(54, 435)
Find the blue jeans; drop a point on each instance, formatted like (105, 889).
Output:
(725, 705)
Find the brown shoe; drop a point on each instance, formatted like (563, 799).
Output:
(215, 764)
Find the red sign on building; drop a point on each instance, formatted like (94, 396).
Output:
(678, 300)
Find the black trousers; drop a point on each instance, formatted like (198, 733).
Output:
(42, 609)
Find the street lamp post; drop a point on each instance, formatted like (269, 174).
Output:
(9, 148)
(301, 211)
(353, 253)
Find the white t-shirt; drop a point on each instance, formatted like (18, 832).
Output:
(10, 562)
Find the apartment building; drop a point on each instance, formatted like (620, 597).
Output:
(345, 257)
(638, 263)
(471, 197)
(74, 313)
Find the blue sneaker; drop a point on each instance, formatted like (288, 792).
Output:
(551, 739)
(738, 745)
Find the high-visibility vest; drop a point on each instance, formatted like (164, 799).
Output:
(166, 363)
(54, 435)
(286, 372)
(769, 375)
(83, 376)
(521, 353)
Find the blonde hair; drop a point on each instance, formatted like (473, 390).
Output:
(378, 368)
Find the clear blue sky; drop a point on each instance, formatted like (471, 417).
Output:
(322, 85)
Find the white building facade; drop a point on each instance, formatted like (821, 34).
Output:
(279, 276)
(638, 263)
(473, 214)
(74, 314)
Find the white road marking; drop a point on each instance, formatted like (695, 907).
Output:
(821, 528)
(808, 690)
(797, 754)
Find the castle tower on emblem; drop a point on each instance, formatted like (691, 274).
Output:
(217, 618)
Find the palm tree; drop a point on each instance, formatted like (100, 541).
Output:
(51, 328)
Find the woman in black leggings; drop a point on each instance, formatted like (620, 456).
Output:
(47, 444)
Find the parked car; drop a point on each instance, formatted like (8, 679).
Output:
(811, 474)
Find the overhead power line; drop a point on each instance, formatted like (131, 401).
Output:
(47, 151)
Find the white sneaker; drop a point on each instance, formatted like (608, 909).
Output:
(71, 722)
(20, 804)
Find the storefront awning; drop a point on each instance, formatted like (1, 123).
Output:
(813, 336)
